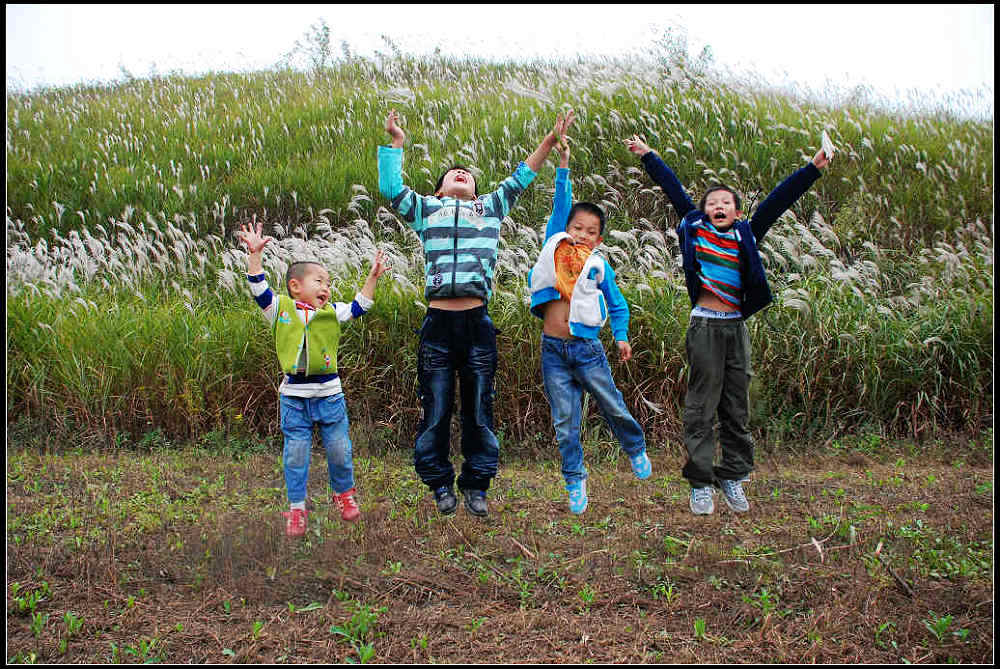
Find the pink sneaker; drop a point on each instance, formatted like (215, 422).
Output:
(348, 506)
(296, 522)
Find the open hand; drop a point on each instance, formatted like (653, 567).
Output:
(380, 264)
(637, 146)
(392, 127)
(253, 239)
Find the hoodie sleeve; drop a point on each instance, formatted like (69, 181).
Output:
(403, 199)
(562, 202)
(501, 201)
(618, 311)
(668, 181)
(781, 198)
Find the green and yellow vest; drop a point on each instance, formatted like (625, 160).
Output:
(320, 338)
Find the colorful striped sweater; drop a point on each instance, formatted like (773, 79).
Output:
(459, 237)
(718, 254)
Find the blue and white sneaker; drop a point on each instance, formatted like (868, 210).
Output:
(732, 492)
(577, 496)
(701, 501)
(641, 466)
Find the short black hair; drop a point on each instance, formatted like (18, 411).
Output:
(475, 184)
(590, 208)
(712, 189)
(297, 270)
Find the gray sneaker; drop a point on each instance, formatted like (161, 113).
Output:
(732, 492)
(701, 501)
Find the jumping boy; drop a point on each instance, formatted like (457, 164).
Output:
(726, 284)
(460, 230)
(306, 327)
(573, 291)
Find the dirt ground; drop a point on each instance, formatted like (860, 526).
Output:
(180, 556)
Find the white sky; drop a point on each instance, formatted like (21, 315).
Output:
(893, 48)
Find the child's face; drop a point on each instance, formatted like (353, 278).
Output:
(313, 288)
(720, 207)
(459, 184)
(585, 228)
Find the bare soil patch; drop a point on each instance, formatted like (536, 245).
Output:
(180, 556)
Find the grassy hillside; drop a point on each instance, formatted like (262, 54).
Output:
(126, 309)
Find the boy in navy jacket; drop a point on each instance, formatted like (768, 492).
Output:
(726, 283)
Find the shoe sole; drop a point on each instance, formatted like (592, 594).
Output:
(736, 510)
(477, 514)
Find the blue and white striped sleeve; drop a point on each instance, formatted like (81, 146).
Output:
(356, 309)
(501, 201)
(263, 295)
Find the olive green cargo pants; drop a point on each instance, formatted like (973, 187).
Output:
(718, 352)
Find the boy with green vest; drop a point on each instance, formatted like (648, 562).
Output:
(306, 328)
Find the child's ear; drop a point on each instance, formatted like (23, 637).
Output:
(600, 240)
(739, 214)
(294, 286)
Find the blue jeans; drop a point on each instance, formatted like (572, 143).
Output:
(570, 366)
(298, 416)
(464, 342)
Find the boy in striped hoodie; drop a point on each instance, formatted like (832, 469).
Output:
(306, 327)
(573, 291)
(726, 284)
(460, 232)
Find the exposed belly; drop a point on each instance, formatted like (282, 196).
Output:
(456, 303)
(556, 321)
(709, 301)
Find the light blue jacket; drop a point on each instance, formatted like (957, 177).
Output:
(595, 295)
(459, 237)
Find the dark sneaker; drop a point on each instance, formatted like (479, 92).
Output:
(475, 502)
(732, 492)
(446, 500)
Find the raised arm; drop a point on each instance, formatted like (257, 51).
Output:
(365, 298)
(662, 175)
(402, 198)
(380, 265)
(786, 194)
(255, 242)
(562, 199)
(549, 142)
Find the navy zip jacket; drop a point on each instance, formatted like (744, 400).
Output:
(755, 293)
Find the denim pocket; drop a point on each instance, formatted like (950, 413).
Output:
(332, 409)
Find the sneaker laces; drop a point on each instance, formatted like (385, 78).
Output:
(733, 490)
(345, 500)
(701, 494)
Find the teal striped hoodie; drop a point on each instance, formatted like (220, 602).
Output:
(459, 237)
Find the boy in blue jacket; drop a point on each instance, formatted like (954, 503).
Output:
(460, 232)
(726, 284)
(573, 291)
